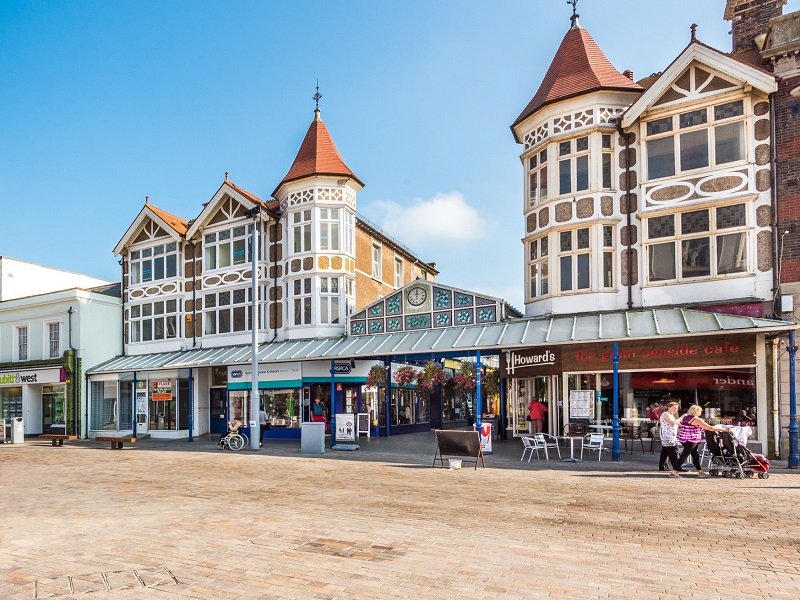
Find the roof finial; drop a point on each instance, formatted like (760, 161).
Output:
(694, 31)
(146, 200)
(575, 15)
(226, 177)
(316, 98)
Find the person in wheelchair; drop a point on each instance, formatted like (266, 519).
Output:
(234, 426)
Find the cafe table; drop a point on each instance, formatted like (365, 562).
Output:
(572, 439)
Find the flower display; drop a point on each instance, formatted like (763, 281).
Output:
(431, 375)
(376, 376)
(405, 376)
(465, 378)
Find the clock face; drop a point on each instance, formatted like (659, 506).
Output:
(417, 296)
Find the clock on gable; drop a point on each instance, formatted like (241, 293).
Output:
(416, 296)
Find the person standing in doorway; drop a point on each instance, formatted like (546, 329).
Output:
(318, 412)
(536, 410)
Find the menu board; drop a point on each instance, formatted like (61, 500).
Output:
(581, 404)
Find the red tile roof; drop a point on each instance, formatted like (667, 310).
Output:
(178, 224)
(271, 205)
(578, 67)
(317, 156)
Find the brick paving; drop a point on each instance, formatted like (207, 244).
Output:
(178, 520)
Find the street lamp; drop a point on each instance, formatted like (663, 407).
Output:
(255, 427)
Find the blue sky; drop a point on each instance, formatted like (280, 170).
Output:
(105, 103)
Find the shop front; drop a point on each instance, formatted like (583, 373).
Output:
(280, 388)
(39, 396)
(723, 374)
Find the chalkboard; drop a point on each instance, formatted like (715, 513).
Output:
(362, 423)
(454, 442)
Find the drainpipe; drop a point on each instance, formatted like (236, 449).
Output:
(74, 374)
(628, 216)
(773, 159)
(794, 456)
(776, 421)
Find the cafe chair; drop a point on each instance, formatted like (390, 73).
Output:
(529, 446)
(592, 441)
(631, 434)
(574, 429)
(545, 441)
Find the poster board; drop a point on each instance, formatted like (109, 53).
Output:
(345, 428)
(581, 404)
(362, 421)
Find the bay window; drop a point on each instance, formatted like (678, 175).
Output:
(154, 264)
(301, 300)
(698, 243)
(538, 268)
(607, 162)
(695, 140)
(574, 259)
(153, 321)
(228, 312)
(301, 231)
(573, 165)
(537, 178)
(329, 229)
(349, 233)
(329, 300)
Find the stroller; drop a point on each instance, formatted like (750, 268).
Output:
(732, 459)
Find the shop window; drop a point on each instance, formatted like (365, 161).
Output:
(54, 340)
(10, 402)
(229, 247)
(329, 229)
(538, 267)
(282, 407)
(169, 404)
(573, 165)
(695, 244)
(227, 312)
(329, 300)
(153, 321)
(695, 140)
(22, 343)
(537, 178)
(574, 260)
(301, 231)
(301, 301)
(154, 264)
(103, 405)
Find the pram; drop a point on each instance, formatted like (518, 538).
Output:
(732, 459)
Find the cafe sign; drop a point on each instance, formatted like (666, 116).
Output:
(530, 362)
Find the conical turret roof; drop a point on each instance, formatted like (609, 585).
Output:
(317, 156)
(578, 67)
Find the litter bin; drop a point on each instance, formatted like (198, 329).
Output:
(17, 430)
(312, 438)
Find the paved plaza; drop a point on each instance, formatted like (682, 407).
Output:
(179, 520)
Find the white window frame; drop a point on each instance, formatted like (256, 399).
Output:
(301, 231)
(154, 312)
(350, 295)
(377, 261)
(606, 159)
(537, 166)
(151, 256)
(47, 337)
(18, 343)
(349, 232)
(539, 268)
(713, 234)
(572, 157)
(233, 242)
(710, 125)
(574, 255)
(329, 229)
(398, 272)
(301, 306)
(330, 300)
(221, 307)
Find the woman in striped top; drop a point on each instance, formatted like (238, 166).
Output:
(690, 434)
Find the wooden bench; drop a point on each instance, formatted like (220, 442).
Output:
(116, 441)
(57, 438)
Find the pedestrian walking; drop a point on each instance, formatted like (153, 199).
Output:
(668, 429)
(690, 434)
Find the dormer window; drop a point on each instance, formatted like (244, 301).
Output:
(695, 140)
(154, 264)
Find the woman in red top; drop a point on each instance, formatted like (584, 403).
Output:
(536, 410)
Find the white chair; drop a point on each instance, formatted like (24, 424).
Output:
(592, 441)
(530, 445)
(545, 441)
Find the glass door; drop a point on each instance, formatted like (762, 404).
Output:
(141, 407)
(53, 410)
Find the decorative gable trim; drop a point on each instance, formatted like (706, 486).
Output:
(211, 211)
(149, 224)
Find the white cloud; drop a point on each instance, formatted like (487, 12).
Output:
(445, 217)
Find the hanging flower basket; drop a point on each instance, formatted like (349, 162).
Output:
(405, 376)
(464, 380)
(376, 376)
(431, 375)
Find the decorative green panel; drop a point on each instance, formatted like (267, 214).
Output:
(394, 324)
(441, 299)
(442, 319)
(376, 326)
(394, 304)
(486, 314)
(463, 317)
(483, 301)
(418, 321)
(358, 327)
(463, 300)
(376, 310)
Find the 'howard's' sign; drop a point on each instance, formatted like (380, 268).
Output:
(530, 362)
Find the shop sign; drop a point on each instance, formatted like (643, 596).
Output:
(662, 353)
(530, 362)
(281, 372)
(161, 391)
(346, 428)
(32, 376)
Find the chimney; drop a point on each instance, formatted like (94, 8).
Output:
(750, 18)
(628, 73)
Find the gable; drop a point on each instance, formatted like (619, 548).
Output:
(697, 81)
(150, 231)
(229, 209)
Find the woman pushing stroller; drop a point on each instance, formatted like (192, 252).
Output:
(690, 434)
